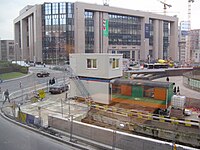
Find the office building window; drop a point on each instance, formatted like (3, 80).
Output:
(124, 30)
(115, 63)
(58, 31)
(151, 32)
(89, 32)
(91, 63)
(165, 40)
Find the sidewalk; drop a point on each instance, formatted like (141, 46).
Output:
(178, 80)
(55, 107)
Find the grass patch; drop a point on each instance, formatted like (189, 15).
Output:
(11, 75)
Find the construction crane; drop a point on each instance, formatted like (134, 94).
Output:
(189, 28)
(106, 2)
(189, 13)
(165, 5)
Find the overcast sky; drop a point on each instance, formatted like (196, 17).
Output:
(9, 10)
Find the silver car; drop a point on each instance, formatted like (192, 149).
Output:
(58, 88)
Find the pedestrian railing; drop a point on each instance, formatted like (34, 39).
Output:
(192, 80)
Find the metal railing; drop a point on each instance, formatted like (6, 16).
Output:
(79, 84)
(192, 80)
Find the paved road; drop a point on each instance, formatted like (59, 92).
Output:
(178, 80)
(30, 80)
(14, 137)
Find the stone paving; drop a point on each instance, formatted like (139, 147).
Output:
(55, 105)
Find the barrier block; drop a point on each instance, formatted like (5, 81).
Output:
(30, 119)
(97, 107)
(149, 117)
(174, 120)
(22, 117)
(106, 107)
(37, 120)
(187, 123)
(114, 109)
(130, 114)
(161, 119)
(139, 114)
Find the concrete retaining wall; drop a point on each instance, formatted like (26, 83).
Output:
(110, 137)
(191, 83)
(185, 135)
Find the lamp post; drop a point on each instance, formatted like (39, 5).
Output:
(16, 50)
(66, 97)
(56, 56)
(58, 48)
(61, 101)
(20, 85)
(71, 128)
(121, 125)
(114, 139)
(47, 50)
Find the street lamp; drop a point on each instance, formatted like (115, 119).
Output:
(16, 46)
(67, 99)
(71, 128)
(58, 47)
(121, 125)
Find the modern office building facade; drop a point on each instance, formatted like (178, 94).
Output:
(184, 53)
(7, 52)
(195, 45)
(50, 31)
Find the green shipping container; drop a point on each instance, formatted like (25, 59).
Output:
(137, 91)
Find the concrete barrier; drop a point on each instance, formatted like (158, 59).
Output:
(109, 137)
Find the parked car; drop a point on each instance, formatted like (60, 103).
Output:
(43, 74)
(187, 112)
(58, 88)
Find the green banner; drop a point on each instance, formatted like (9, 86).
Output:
(105, 28)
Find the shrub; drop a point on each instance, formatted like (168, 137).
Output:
(7, 67)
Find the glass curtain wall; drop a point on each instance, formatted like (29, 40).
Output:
(124, 30)
(89, 32)
(151, 32)
(165, 40)
(151, 40)
(58, 31)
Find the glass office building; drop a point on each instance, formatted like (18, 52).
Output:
(54, 30)
(58, 31)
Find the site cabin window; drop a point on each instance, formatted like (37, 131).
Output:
(115, 63)
(91, 64)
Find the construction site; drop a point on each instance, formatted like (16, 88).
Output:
(105, 99)
(143, 107)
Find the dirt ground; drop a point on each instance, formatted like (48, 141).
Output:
(193, 104)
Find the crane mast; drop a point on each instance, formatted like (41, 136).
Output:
(189, 28)
(106, 2)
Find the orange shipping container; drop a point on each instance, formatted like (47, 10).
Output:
(160, 93)
(126, 90)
